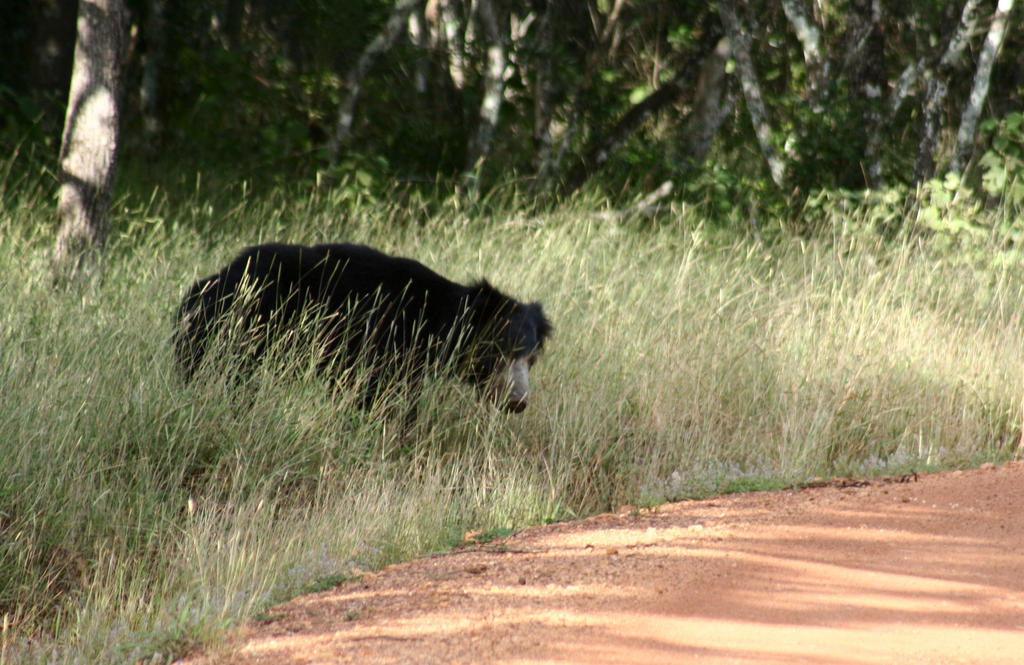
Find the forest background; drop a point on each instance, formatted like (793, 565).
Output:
(778, 241)
(756, 105)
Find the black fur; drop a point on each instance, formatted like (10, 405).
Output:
(394, 314)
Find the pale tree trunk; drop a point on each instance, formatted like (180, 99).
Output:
(937, 90)
(739, 39)
(418, 36)
(607, 144)
(605, 47)
(354, 79)
(495, 31)
(864, 64)
(810, 39)
(89, 142)
(969, 120)
(543, 106)
(710, 106)
(452, 33)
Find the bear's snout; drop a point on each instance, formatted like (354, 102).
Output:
(514, 389)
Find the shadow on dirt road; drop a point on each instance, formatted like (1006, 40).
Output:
(925, 571)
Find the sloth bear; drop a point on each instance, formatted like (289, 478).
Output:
(355, 306)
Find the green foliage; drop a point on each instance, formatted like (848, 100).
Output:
(255, 94)
(1002, 165)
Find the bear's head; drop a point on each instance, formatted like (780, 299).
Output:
(507, 337)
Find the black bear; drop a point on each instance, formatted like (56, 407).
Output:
(392, 314)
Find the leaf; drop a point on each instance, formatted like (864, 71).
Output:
(930, 218)
(639, 94)
(993, 176)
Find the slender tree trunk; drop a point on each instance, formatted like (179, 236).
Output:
(152, 63)
(89, 143)
(864, 64)
(740, 41)
(709, 106)
(495, 30)
(810, 39)
(605, 46)
(969, 120)
(452, 32)
(543, 106)
(937, 90)
(609, 144)
(418, 36)
(602, 149)
(354, 79)
(234, 14)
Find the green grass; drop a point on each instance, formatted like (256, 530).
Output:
(140, 517)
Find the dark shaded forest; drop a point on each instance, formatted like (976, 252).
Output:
(727, 102)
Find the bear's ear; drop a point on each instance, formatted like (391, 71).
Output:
(488, 303)
(544, 327)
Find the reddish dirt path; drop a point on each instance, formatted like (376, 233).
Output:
(925, 571)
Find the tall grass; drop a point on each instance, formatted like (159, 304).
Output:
(140, 517)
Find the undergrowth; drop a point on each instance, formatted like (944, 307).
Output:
(140, 517)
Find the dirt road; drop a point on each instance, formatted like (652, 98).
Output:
(925, 571)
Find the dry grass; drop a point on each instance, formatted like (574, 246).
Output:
(140, 516)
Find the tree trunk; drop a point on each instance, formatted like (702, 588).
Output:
(420, 39)
(152, 63)
(864, 64)
(740, 41)
(810, 39)
(709, 107)
(354, 79)
(495, 30)
(937, 90)
(602, 149)
(636, 116)
(543, 106)
(969, 120)
(90, 140)
(451, 34)
(234, 14)
(605, 46)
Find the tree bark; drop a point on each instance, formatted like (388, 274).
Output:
(90, 140)
(969, 120)
(152, 64)
(450, 33)
(418, 36)
(610, 143)
(602, 149)
(495, 30)
(810, 39)
(354, 79)
(234, 14)
(604, 46)
(740, 41)
(709, 107)
(543, 106)
(864, 64)
(937, 90)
